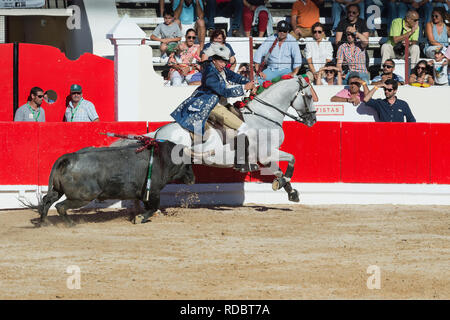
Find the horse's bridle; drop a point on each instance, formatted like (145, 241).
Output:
(300, 118)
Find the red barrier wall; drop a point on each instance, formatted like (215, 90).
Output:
(47, 67)
(327, 152)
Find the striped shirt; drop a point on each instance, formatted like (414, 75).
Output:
(353, 56)
(84, 112)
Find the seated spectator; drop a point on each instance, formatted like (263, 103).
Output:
(318, 52)
(341, 5)
(352, 54)
(190, 15)
(440, 68)
(225, 8)
(437, 32)
(387, 72)
(421, 75)
(352, 93)
(256, 14)
(402, 29)
(359, 25)
(79, 109)
(278, 55)
(304, 14)
(329, 75)
(244, 70)
(168, 33)
(218, 35)
(390, 109)
(184, 65)
(32, 110)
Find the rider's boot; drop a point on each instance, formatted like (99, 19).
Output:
(242, 163)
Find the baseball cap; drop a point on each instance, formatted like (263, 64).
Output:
(75, 88)
(283, 26)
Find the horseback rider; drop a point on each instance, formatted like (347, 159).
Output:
(210, 100)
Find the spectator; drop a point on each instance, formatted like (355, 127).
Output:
(225, 8)
(185, 66)
(304, 14)
(190, 15)
(440, 68)
(352, 94)
(32, 110)
(352, 20)
(278, 55)
(390, 109)
(318, 52)
(218, 35)
(387, 72)
(244, 70)
(79, 109)
(256, 14)
(421, 75)
(422, 7)
(341, 5)
(352, 54)
(168, 33)
(402, 29)
(437, 32)
(161, 8)
(443, 4)
(329, 75)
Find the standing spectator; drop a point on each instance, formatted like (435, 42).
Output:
(329, 75)
(421, 75)
(437, 32)
(354, 21)
(256, 13)
(304, 14)
(352, 94)
(440, 68)
(168, 33)
(161, 8)
(225, 8)
(390, 109)
(218, 35)
(387, 72)
(341, 5)
(79, 109)
(278, 55)
(319, 51)
(32, 110)
(353, 54)
(402, 29)
(190, 14)
(185, 67)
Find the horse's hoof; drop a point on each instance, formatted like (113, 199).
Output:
(140, 218)
(293, 196)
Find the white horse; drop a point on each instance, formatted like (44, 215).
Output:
(265, 114)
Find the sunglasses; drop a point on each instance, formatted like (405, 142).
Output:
(435, 16)
(353, 12)
(329, 71)
(318, 31)
(191, 37)
(415, 20)
(356, 84)
(40, 96)
(76, 92)
(387, 66)
(420, 68)
(388, 90)
(349, 34)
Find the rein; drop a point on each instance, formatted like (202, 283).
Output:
(300, 118)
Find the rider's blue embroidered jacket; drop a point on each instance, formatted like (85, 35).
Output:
(197, 107)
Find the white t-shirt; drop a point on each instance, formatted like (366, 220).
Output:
(319, 52)
(440, 73)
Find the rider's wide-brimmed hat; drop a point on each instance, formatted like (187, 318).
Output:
(218, 50)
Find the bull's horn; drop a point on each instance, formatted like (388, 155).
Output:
(198, 155)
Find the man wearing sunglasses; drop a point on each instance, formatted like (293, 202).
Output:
(387, 72)
(402, 29)
(390, 109)
(32, 110)
(79, 109)
(359, 27)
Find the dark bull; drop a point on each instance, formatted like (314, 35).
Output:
(111, 173)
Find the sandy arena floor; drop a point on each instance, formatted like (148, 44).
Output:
(250, 252)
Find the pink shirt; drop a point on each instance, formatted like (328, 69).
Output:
(345, 93)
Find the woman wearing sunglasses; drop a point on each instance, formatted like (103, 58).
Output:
(437, 32)
(421, 75)
(329, 75)
(318, 52)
